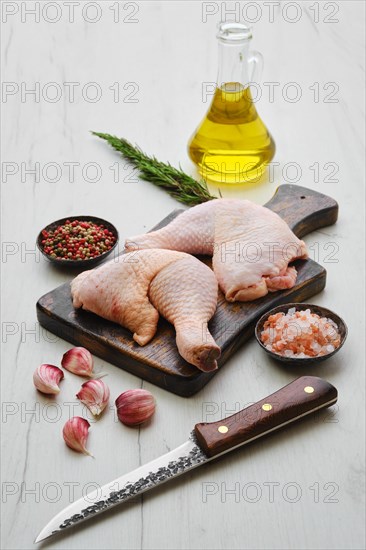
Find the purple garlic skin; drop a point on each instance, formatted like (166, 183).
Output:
(46, 379)
(78, 361)
(75, 433)
(135, 407)
(95, 395)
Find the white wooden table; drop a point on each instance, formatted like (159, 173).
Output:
(145, 64)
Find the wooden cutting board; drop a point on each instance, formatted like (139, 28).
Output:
(159, 362)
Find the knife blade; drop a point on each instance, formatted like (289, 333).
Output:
(208, 441)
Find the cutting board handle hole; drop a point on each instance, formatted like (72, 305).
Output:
(302, 197)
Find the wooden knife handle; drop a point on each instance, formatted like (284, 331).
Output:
(303, 209)
(301, 397)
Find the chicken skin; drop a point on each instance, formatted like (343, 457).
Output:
(251, 245)
(135, 289)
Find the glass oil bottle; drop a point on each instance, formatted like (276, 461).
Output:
(232, 144)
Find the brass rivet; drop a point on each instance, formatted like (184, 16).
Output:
(267, 407)
(309, 389)
(223, 429)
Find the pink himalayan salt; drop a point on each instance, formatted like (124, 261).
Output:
(300, 334)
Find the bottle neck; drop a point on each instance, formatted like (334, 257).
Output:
(234, 39)
(233, 63)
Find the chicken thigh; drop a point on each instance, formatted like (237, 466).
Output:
(251, 245)
(134, 289)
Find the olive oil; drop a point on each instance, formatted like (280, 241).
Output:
(232, 145)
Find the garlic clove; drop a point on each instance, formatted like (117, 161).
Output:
(78, 361)
(135, 407)
(46, 379)
(95, 395)
(75, 433)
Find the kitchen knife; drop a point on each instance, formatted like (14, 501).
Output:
(301, 397)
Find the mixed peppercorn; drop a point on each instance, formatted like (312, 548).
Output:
(77, 240)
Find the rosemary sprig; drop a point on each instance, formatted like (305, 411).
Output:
(178, 184)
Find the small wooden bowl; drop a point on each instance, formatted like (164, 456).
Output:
(322, 312)
(87, 263)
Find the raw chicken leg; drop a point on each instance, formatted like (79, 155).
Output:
(185, 293)
(251, 245)
(134, 289)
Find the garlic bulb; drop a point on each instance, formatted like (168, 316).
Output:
(135, 407)
(79, 361)
(95, 395)
(75, 434)
(46, 379)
